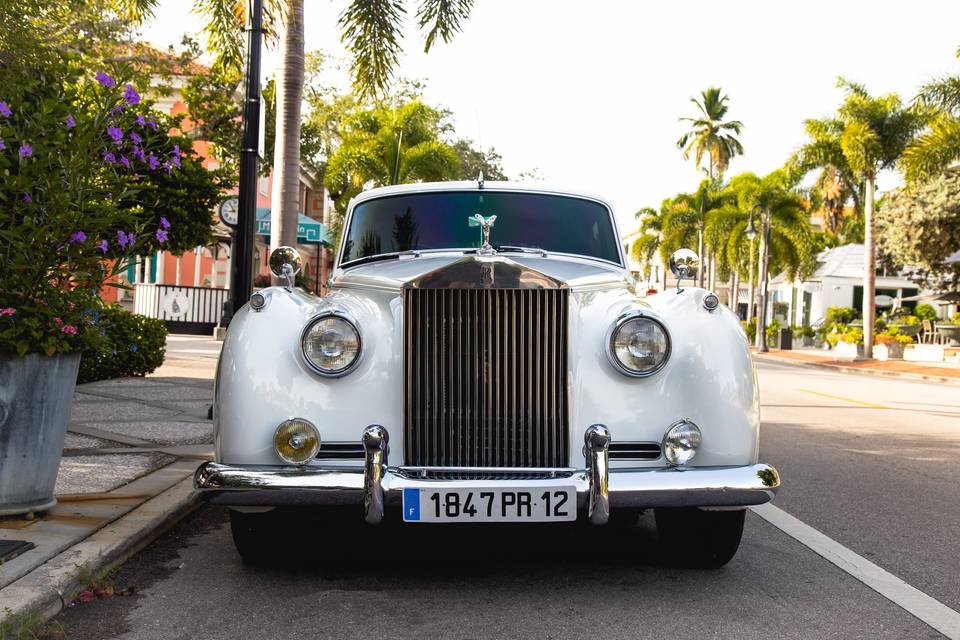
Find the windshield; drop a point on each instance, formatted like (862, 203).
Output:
(440, 220)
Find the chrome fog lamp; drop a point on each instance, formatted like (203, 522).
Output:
(681, 441)
(296, 440)
(331, 345)
(638, 346)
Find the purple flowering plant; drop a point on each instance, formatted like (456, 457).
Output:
(78, 199)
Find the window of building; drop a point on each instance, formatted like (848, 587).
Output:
(264, 183)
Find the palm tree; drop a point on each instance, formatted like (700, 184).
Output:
(939, 146)
(387, 145)
(870, 134)
(710, 135)
(371, 30)
(791, 244)
(651, 234)
(689, 212)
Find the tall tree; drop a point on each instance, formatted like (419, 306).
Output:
(872, 133)
(285, 197)
(389, 144)
(710, 135)
(938, 147)
(689, 212)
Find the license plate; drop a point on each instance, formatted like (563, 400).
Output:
(553, 504)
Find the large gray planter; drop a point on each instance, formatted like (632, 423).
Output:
(36, 392)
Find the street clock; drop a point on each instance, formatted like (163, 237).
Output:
(229, 212)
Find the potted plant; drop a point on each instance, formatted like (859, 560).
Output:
(75, 150)
(849, 344)
(805, 334)
(890, 344)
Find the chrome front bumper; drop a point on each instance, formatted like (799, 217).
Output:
(377, 484)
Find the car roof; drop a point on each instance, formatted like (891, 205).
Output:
(473, 185)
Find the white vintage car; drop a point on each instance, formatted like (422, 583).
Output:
(482, 357)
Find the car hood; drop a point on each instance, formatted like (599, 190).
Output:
(577, 273)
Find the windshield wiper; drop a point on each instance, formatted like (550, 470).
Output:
(374, 258)
(507, 248)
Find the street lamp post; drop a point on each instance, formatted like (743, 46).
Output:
(241, 265)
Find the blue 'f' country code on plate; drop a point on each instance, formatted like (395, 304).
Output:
(411, 505)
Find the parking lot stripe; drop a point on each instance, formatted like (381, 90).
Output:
(842, 399)
(917, 603)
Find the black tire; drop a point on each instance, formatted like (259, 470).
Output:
(699, 539)
(255, 536)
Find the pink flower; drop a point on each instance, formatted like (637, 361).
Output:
(57, 320)
(9, 311)
(68, 328)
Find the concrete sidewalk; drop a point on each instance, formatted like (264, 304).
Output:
(125, 475)
(932, 372)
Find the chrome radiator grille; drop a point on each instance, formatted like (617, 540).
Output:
(485, 377)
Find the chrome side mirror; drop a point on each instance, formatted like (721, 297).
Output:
(684, 263)
(285, 262)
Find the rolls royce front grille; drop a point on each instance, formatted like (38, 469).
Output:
(485, 377)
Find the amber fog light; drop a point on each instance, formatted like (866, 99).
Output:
(681, 441)
(296, 440)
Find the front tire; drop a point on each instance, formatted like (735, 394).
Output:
(699, 539)
(254, 535)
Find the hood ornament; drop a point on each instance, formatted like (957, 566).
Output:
(485, 224)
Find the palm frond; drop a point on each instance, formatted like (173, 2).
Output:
(135, 10)
(371, 32)
(443, 17)
(933, 151)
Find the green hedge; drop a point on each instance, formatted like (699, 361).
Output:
(128, 345)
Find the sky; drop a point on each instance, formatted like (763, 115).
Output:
(590, 93)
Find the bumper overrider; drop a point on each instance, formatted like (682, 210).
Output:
(599, 488)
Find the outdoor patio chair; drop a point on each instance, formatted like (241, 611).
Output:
(929, 333)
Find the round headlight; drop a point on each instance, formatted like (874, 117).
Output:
(639, 346)
(680, 442)
(331, 345)
(296, 440)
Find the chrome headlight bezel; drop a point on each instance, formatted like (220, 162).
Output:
(340, 315)
(612, 334)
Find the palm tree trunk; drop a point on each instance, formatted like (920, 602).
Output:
(869, 270)
(734, 292)
(713, 273)
(285, 201)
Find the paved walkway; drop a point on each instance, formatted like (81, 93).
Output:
(129, 441)
(925, 370)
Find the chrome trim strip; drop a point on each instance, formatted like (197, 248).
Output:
(376, 449)
(643, 487)
(596, 442)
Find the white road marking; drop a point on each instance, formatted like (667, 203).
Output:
(917, 603)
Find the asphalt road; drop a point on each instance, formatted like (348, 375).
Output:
(873, 463)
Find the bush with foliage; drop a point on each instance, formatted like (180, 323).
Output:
(125, 344)
(773, 329)
(750, 328)
(956, 318)
(853, 335)
(841, 315)
(803, 331)
(891, 336)
(926, 312)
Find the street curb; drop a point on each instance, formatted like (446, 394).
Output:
(869, 372)
(52, 586)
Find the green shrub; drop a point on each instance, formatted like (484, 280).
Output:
(750, 328)
(772, 330)
(840, 315)
(956, 318)
(128, 345)
(853, 336)
(925, 312)
(803, 331)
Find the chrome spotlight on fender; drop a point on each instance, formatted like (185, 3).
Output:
(285, 262)
(684, 263)
(680, 442)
